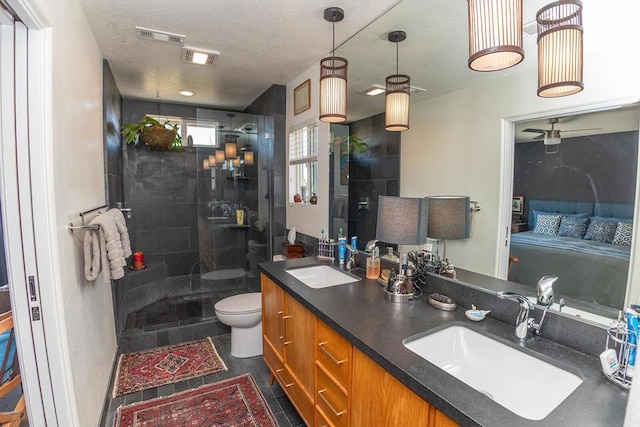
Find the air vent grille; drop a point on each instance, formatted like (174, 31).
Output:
(160, 36)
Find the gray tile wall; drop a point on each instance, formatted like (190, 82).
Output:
(371, 174)
(111, 106)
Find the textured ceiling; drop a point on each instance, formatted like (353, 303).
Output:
(260, 43)
(272, 42)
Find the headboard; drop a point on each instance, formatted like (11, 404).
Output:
(559, 207)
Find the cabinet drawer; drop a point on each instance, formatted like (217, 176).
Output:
(321, 420)
(331, 401)
(270, 356)
(300, 399)
(334, 353)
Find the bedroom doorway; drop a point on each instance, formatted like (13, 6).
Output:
(573, 201)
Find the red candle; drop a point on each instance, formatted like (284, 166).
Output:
(138, 260)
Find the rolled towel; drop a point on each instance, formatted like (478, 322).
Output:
(92, 261)
(121, 224)
(112, 258)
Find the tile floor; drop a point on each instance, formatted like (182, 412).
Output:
(282, 409)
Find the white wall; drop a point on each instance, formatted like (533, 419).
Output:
(307, 218)
(77, 184)
(454, 145)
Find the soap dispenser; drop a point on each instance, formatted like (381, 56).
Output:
(373, 264)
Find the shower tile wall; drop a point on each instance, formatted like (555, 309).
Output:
(111, 106)
(371, 174)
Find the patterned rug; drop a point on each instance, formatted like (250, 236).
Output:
(233, 402)
(166, 365)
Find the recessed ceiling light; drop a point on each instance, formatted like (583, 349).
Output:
(196, 55)
(186, 93)
(372, 90)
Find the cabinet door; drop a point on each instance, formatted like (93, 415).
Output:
(378, 399)
(299, 345)
(272, 315)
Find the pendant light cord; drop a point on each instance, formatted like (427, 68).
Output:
(397, 58)
(333, 47)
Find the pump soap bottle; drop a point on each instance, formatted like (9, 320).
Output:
(373, 264)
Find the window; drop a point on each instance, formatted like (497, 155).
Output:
(203, 133)
(303, 163)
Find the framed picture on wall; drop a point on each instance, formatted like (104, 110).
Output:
(517, 205)
(302, 97)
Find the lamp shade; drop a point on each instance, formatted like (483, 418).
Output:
(236, 162)
(248, 158)
(560, 52)
(449, 217)
(212, 159)
(230, 147)
(333, 89)
(220, 158)
(402, 220)
(396, 112)
(206, 164)
(495, 34)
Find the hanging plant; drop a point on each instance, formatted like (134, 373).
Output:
(156, 135)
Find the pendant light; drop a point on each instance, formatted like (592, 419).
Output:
(206, 164)
(495, 34)
(220, 156)
(236, 162)
(333, 77)
(248, 158)
(560, 49)
(230, 144)
(396, 111)
(212, 159)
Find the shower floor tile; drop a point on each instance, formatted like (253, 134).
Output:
(171, 312)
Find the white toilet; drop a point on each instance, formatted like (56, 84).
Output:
(243, 313)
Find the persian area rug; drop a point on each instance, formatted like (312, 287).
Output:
(166, 365)
(233, 402)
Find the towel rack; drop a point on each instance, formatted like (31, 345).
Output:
(84, 226)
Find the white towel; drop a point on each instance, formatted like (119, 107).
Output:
(121, 223)
(92, 261)
(632, 418)
(111, 246)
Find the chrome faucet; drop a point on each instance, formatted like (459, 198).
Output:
(524, 322)
(351, 260)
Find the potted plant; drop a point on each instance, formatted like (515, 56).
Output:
(156, 135)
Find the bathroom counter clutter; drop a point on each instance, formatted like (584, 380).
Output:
(361, 315)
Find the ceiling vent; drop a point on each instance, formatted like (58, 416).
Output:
(196, 55)
(160, 36)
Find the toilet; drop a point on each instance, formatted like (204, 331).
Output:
(243, 313)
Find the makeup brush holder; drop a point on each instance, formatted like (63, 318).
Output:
(401, 290)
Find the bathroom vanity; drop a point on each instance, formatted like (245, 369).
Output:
(338, 352)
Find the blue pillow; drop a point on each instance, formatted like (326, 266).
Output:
(613, 219)
(572, 226)
(536, 213)
(601, 231)
(547, 224)
(623, 234)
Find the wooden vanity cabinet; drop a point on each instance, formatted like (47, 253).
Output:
(288, 346)
(330, 382)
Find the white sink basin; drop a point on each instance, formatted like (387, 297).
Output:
(525, 385)
(321, 276)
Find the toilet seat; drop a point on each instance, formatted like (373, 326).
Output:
(246, 303)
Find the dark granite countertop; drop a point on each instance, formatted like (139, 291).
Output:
(377, 327)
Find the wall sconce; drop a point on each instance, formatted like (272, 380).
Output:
(333, 77)
(495, 34)
(248, 158)
(396, 112)
(449, 218)
(560, 49)
(220, 157)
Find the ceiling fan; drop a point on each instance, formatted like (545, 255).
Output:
(551, 136)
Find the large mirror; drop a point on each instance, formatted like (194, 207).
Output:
(436, 39)
(573, 204)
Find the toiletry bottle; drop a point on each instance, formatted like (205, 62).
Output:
(373, 265)
(632, 338)
(391, 280)
(404, 264)
(342, 250)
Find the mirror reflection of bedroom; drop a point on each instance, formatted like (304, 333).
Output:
(573, 205)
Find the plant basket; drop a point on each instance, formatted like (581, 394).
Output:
(157, 137)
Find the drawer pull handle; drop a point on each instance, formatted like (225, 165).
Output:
(282, 379)
(336, 361)
(281, 337)
(329, 404)
(284, 328)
